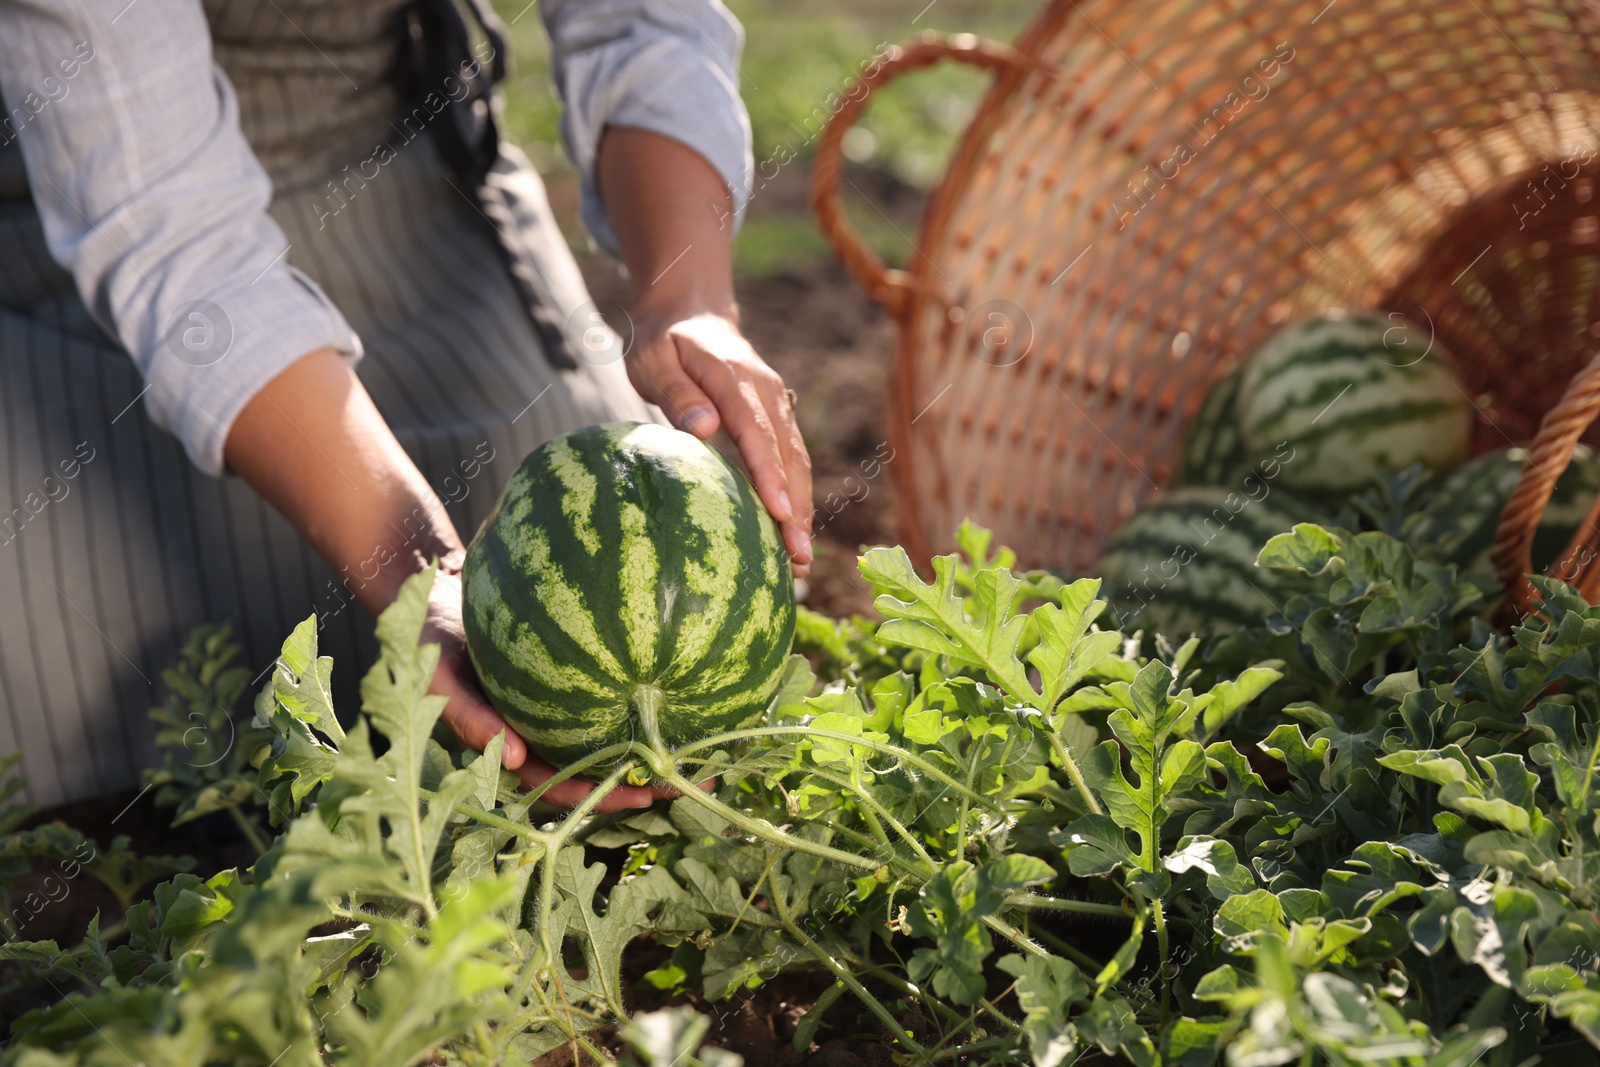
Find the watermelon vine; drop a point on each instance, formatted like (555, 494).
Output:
(1361, 830)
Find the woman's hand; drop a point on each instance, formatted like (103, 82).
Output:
(700, 370)
(669, 209)
(476, 723)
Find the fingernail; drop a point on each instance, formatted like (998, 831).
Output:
(802, 545)
(695, 418)
(784, 505)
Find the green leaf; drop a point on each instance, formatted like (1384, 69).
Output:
(1008, 875)
(1096, 844)
(933, 617)
(805, 1030)
(1221, 984)
(1243, 920)
(1489, 930)
(1195, 1042)
(1225, 875)
(794, 682)
(433, 986)
(1442, 767)
(1122, 962)
(629, 912)
(484, 771)
(1068, 651)
(1227, 698)
(1111, 1023)
(1307, 548)
(1047, 991)
(891, 695)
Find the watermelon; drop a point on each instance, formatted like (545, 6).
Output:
(1353, 395)
(1213, 451)
(627, 585)
(1460, 511)
(1187, 563)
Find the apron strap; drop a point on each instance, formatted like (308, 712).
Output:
(438, 48)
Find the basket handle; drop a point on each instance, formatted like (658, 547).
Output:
(1547, 458)
(891, 288)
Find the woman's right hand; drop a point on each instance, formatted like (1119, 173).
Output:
(350, 511)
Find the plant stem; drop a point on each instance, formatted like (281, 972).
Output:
(1080, 907)
(911, 758)
(976, 1046)
(873, 805)
(1070, 765)
(755, 827)
(247, 826)
(1013, 935)
(610, 752)
(888, 977)
(1084, 961)
(491, 819)
(961, 819)
(842, 973)
(1160, 916)
(647, 702)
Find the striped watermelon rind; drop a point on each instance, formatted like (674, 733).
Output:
(628, 573)
(1213, 451)
(1460, 511)
(1354, 394)
(1187, 563)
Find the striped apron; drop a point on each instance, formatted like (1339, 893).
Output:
(116, 547)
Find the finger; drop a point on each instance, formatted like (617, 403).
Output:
(477, 724)
(732, 387)
(660, 379)
(466, 711)
(472, 720)
(796, 469)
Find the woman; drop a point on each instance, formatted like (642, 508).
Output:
(343, 300)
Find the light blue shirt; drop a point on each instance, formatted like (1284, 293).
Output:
(151, 196)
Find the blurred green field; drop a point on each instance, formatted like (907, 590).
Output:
(795, 55)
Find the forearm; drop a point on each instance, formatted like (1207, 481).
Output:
(314, 446)
(667, 206)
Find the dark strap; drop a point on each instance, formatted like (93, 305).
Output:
(438, 58)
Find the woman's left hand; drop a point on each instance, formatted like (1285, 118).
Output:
(700, 370)
(671, 214)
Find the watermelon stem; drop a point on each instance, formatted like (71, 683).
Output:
(490, 819)
(647, 702)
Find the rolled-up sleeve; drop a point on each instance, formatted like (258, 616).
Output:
(668, 66)
(151, 197)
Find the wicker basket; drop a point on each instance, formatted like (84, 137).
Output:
(1151, 189)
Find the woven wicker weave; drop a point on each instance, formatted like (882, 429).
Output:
(1150, 189)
